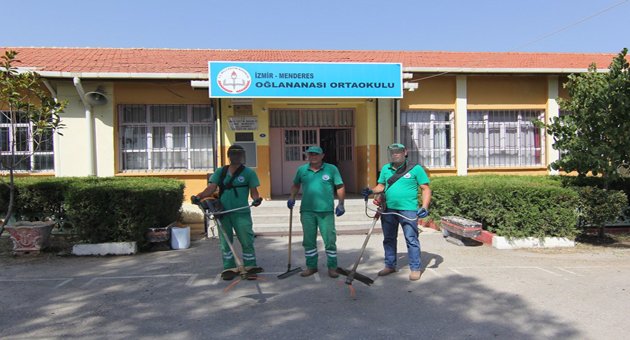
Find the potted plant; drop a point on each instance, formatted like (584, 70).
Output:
(29, 116)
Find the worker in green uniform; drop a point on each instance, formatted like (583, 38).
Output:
(236, 183)
(319, 181)
(397, 192)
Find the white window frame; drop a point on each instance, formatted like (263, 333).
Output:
(148, 125)
(431, 123)
(29, 154)
(507, 144)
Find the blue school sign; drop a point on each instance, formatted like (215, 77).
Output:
(304, 80)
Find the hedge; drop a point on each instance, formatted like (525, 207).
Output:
(510, 206)
(100, 209)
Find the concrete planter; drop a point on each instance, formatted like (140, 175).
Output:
(110, 248)
(501, 242)
(29, 237)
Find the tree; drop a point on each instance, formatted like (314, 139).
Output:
(23, 101)
(594, 136)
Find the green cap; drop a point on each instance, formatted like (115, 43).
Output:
(396, 146)
(314, 149)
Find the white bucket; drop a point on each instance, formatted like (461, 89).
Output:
(180, 237)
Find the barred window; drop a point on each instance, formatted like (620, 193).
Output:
(311, 118)
(166, 137)
(33, 152)
(505, 138)
(428, 136)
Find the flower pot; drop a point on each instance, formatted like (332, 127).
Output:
(29, 237)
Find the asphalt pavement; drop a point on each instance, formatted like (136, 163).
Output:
(465, 292)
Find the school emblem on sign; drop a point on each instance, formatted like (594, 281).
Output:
(325, 177)
(234, 79)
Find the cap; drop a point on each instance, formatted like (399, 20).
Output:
(314, 149)
(396, 146)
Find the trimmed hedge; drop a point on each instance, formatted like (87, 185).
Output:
(100, 209)
(36, 199)
(510, 206)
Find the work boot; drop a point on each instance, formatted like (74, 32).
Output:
(228, 275)
(386, 271)
(415, 275)
(254, 270)
(333, 273)
(308, 272)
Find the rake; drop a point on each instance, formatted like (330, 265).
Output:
(290, 271)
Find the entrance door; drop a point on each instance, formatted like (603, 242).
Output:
(338, 149)
(284, 164)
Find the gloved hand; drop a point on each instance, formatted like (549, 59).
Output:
(194, 199)
(366, 192)
(422, 213)
(340, 210)
(290, 203)
(257, 201)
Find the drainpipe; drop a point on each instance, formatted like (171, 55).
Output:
(89, 118)
(56, 155)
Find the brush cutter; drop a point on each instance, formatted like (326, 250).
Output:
(290, 271)
(212, 209)
(353, 274)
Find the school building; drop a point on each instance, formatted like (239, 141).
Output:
(174, 112)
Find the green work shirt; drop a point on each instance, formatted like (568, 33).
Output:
(238, 196)
(318, 187)
(403, 194)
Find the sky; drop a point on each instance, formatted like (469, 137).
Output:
(590, 26)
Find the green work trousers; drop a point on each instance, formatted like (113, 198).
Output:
(326, 223)
(241, 224)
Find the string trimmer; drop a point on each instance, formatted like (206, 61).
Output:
(290, 271)
(212, 208)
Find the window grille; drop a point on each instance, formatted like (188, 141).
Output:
(504, 138)
(33, 153)
(166, 137)
(428, 136)
(283, 118)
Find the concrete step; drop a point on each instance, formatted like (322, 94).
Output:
(272, 218)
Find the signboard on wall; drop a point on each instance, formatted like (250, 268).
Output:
(304, 80)
(243, 123)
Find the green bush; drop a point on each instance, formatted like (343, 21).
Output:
(109, 209)
(510, 206)
(121, 209)
(598, 206)
(37, 199)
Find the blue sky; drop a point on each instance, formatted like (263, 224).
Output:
(421, 25)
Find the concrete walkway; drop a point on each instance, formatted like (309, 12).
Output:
(465, 292)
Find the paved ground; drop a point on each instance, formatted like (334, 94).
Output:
(465, 292)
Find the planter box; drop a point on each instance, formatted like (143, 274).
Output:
(29, 237)
(110, 248)
(501, 242)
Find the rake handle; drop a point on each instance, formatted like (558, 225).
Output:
(290, 232)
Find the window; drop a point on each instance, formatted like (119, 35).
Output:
(32, 154)
(246, 140)
(166, 137)
(504, 138)
(311, 118)
(428, 136)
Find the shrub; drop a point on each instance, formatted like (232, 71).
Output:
(37, 199)
(121, 209)
(510, 206)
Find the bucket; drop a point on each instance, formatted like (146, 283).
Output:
(180, 237)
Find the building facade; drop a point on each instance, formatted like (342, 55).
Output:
(148, 112)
